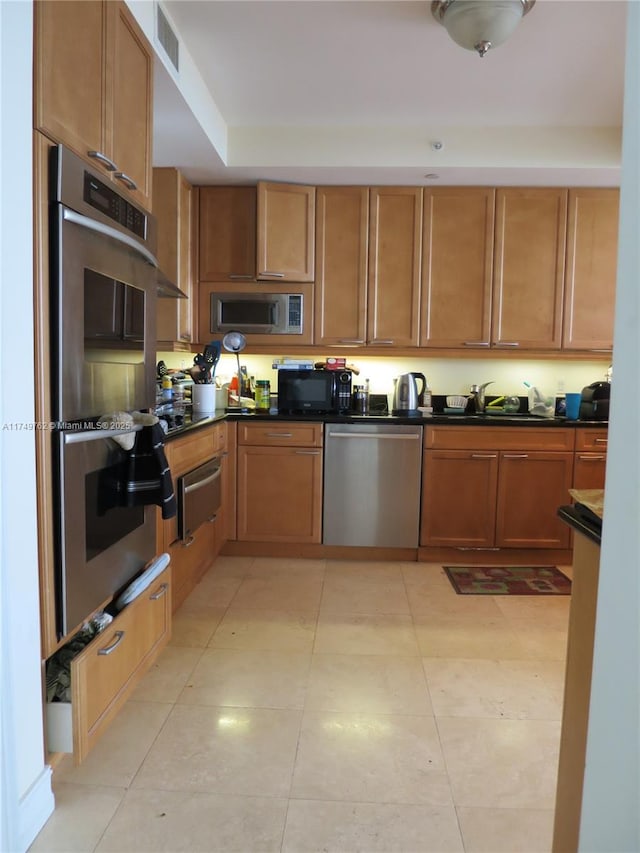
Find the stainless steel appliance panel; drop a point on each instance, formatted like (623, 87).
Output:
(372, 480)
(102, 542)
(199, 496)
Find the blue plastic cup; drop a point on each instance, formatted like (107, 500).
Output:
(572, 402)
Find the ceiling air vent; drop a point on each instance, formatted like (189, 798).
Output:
(167, 38)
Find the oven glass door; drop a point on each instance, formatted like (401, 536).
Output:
(103, 543)
(105, 325)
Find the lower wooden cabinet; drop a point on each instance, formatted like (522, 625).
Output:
(280, 483)
(105, 673)
(485, 488)
(590, 461)
(191, 558)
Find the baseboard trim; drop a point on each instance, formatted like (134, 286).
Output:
(34, 809)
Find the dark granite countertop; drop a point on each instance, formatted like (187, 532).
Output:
(582, 522)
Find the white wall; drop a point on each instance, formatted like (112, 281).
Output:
(26, 800)
(611, 796)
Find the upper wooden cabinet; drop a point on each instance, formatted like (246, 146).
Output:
(172, 195)
(395, 237)
(94, 88)
(286, 232)
(342, 225)
(590, 277)
(457, 262)
(227, 234)
(529, 268)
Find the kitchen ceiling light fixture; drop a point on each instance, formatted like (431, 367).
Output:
(480, 24)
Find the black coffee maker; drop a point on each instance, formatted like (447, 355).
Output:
(594, 402)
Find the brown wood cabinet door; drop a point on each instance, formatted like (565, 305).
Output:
(590, 278)
(227, 245)
(279, 494)
(459, 498)
(529, 268)
(531, 487)
(229, 484)
(286, 232)
(589, 470)
(129, 103)
(69, 52)
(457, 262)
(395, 235)
(342, 229)
(172, 198)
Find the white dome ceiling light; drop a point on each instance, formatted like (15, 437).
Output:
(480, 24)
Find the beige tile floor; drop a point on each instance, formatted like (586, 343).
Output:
(312, 705)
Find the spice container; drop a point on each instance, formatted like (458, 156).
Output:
(263, 394)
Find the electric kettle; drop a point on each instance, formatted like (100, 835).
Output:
(406, 397)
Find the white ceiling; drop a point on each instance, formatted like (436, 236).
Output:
(352, 91)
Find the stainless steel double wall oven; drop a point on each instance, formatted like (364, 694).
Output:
(103, 308)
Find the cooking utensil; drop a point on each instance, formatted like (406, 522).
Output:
(211, 357)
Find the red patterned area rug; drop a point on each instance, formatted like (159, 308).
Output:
(508, 580)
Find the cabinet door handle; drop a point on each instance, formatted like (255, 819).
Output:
(475, 343)
(601, 441)
(102, 158)
(484, 455)
(507, 344)
(385, 343)
(106, 650)
(515, 456)
(279, 434)
(162, 591)
(238, 277)
(272, 274)
(211, 518)
(126, 180)
(353, 342)
(188, 542)
(592, 458)
(307, 452)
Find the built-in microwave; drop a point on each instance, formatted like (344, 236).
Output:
(257, 313)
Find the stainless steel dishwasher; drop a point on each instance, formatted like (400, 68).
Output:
(372, 475)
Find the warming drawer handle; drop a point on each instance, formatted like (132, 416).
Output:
(484, 455)
(107, 231)
(193, 487)
(516, 456)
(162, 591)
(389, 436)
(279, 435)
(106, 650)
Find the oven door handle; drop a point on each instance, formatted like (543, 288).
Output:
(199, 484)
(97, 434)
(107, 231)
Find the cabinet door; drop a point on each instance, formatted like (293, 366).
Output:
(227, 243)
(172, 203)
(457, 261)
(589, 470)
(459, 498)
(590, 278)
(529, 268)
(279, 494)
(69, 53)
(190, 559)
(129, 103)
(286, 232)
(531, 487)
(395, 234)
(342, 225)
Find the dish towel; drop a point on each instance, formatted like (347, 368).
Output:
(148, 478)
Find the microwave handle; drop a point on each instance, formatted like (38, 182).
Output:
(107, 231)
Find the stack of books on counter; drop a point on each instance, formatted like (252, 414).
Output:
(293, 364)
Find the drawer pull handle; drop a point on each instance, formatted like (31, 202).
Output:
(162, 591)
(475, 344)
(234, 276)
(385, 343)
(188, 542)
(211, 518)
(307, 453)
(516, 456)
(272, 274)
(106, 650)
(102, 158)
(601, 441)
(126, 180)
(352, 341)
(279, 435)
(592, 458)
(507, 344)
(484, 455)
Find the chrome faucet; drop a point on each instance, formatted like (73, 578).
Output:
(477, 395)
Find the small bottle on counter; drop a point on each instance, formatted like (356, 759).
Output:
(263, 394)
(167, 388)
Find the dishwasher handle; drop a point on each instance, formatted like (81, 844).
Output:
(391, 436)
